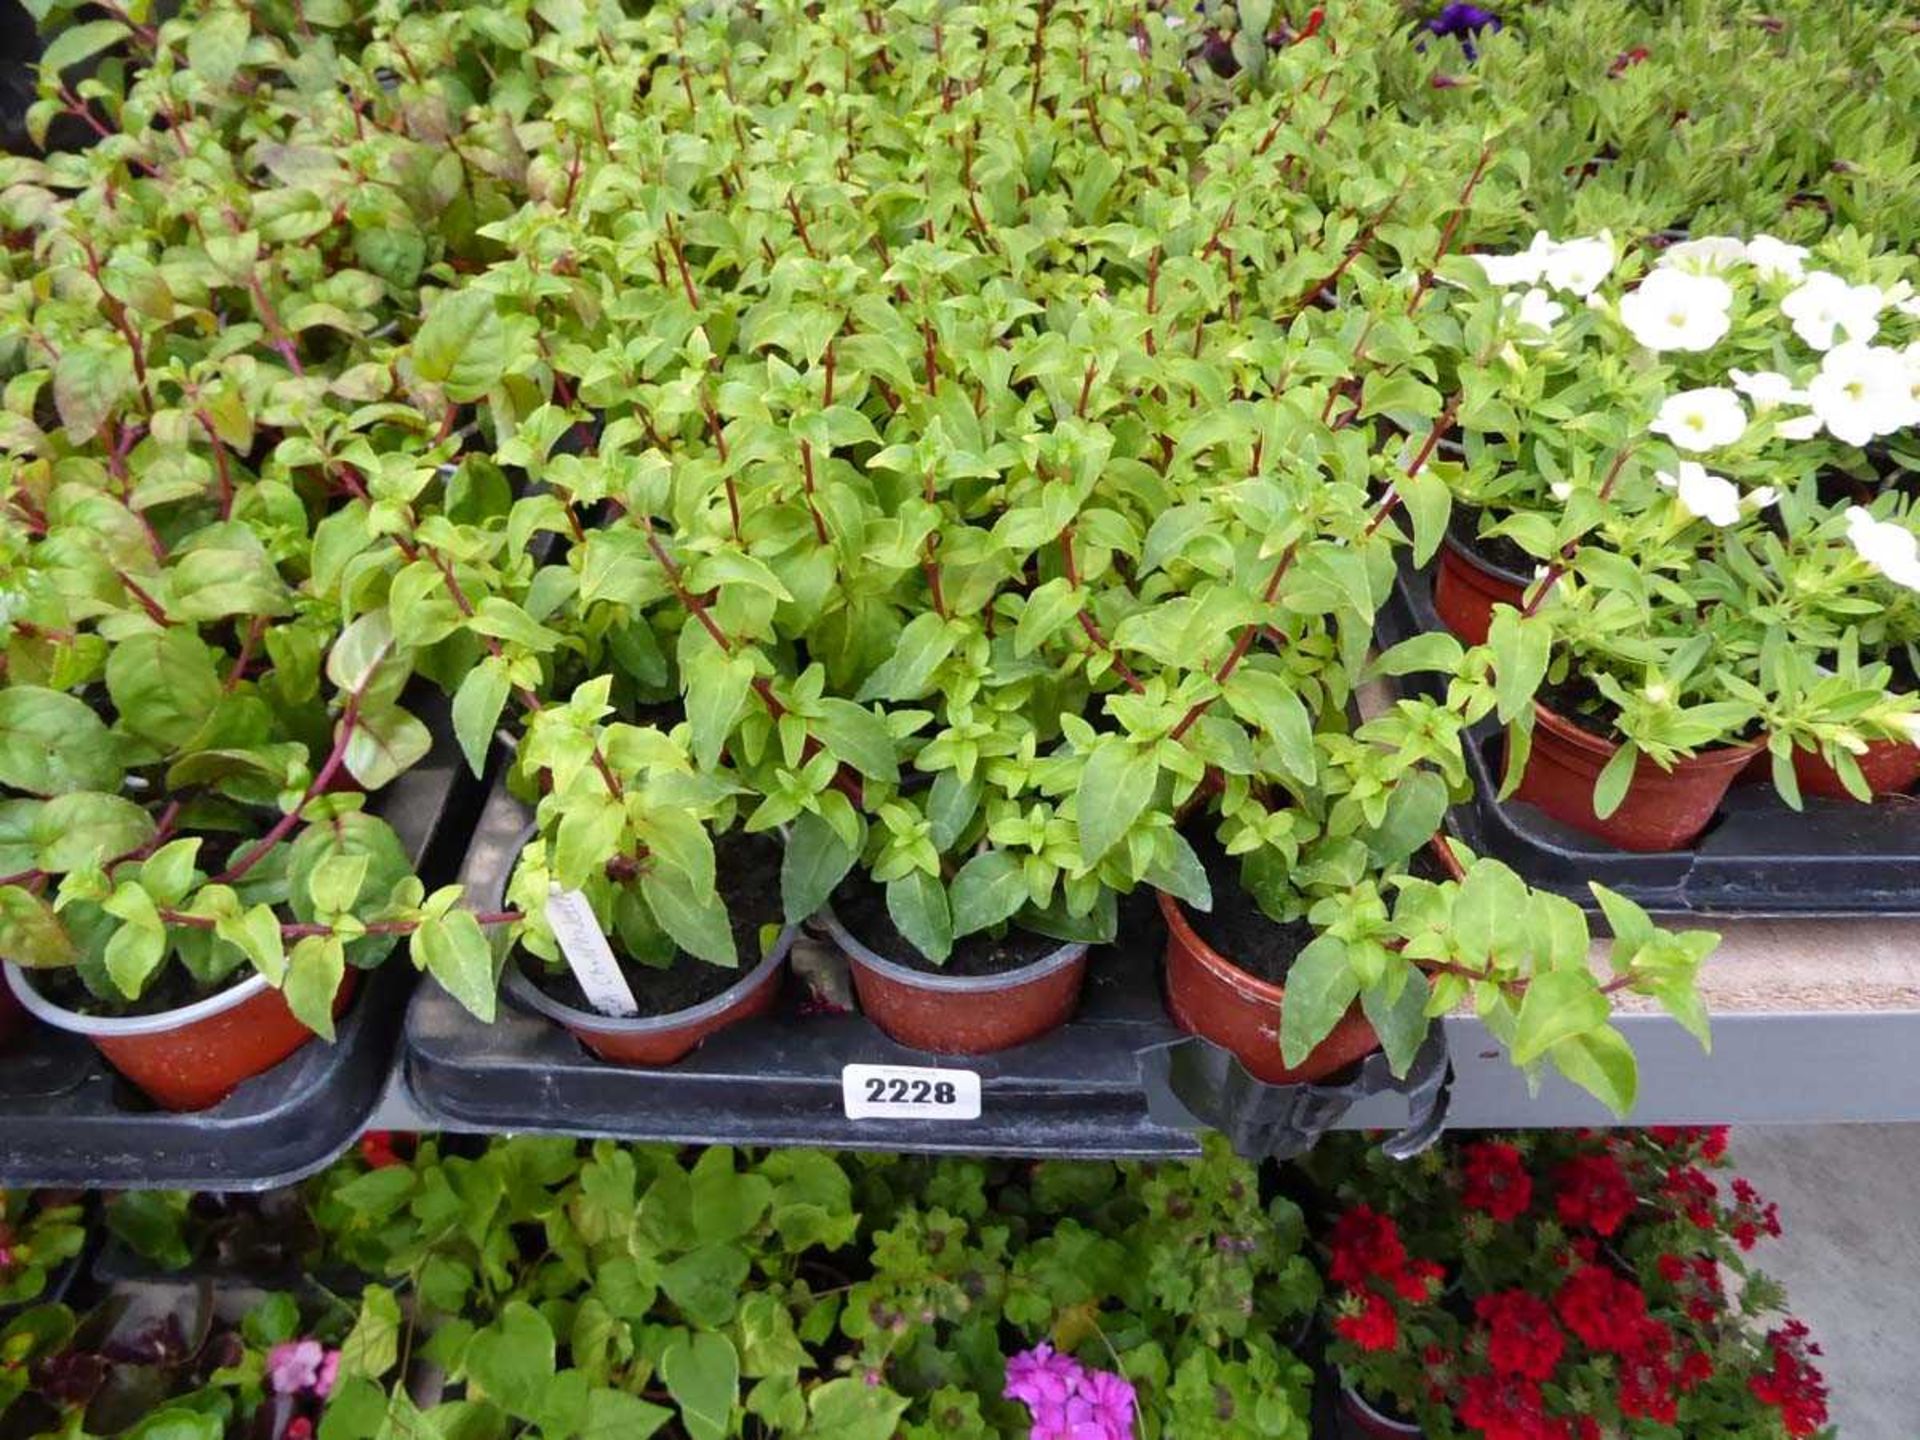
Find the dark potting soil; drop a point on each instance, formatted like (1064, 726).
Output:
(1237, 928)
(1495, 550)
(173, 989)
(1579, 700)
(747, 874)
(861, 906)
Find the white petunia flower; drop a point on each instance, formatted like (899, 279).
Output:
(1823, 304)
(1799, 427)
(1536, 310)
(1760, 498)
(1909, 306)
(1889, 548)
(1581, 267)
(1700, 420)
(1523, 267)
(1561, 490)
(1174, 22)
(1708, 255)
(1862, 392)
(1703, 495)
(1776, 259)
(1767, 388)
(1674, 310)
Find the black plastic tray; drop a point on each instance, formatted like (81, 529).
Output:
(776, 1080)
(66, 1118)
(1758, 859)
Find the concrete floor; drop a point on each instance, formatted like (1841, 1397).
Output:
(1849, 1198)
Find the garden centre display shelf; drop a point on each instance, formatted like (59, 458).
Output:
(776, 1080)
(1760, 858)
(67, 1119)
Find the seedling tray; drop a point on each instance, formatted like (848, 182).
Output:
(776, 1080)
(67, 1119)
(1759, 858)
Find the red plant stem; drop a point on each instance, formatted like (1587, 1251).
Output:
(1213, 240)
(680, 259)
(337, 757)
(1039, 56)
(219, 464)
(1086, 391)
(147, 602)
(1559, 566)
(1088, 624)
(813, 509)
(800, 227)
(826, 399)
(1391, 499)
(117, 313)
(271, 319)
(1447, 232)
(247, 644)
(1240, 646)
(1359, 244)
(928, 562)
(1153, 298)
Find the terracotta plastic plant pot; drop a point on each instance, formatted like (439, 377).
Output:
(962, 1014)
(656, 1040)
(196, 1056)
(1890, 766)
(1466, 588)
(1663, 809)
(1213, 998)
(1360, 1421)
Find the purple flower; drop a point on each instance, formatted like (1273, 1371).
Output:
(1463, 21)
(1068, 1401)
(302, 1367)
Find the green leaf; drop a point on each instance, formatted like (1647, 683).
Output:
(859, 737)
(1400, 1022)
(697, 921)
(256, 934)
(850, 1409)
(71, 832)
(1415, 809)
(1428, 501)
(80, 42)
(1267, 700)
(372, 1347)
(512, 1360)
(1600, 1062)
(815, 862)
(917, 904)
(356, 657)
(1048, 608)
(217, 45)
(1434, 651)
(462, 344)
(164, 684)
(138, 945)
(716, 693)
(456, 951)
(335, 883)
(384, 745)
(727, 1202)
(1116, 787)
(176, 1422)
(1320, 989)
(356, 1409)
(989, 889)
(1521, 649)
(1179, 872)
(907, 673)
(52, 743)
(616, 1415)
(314, 971)
(476, 710)
(30, 933)
(702, 1373)
(1616, 778)
(1558, 1004)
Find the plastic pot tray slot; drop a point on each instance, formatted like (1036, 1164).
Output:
(1195, 1082)
(66, 1119)
(1759, 858)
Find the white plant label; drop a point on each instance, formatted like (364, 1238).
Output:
(588, 955)
(909, 1092)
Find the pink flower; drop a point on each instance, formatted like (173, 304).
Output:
(302, 1367)
(1068, 1401)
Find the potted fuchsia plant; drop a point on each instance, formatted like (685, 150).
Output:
(1560, 1284)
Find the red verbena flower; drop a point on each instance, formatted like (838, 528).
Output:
(1696, 1370)
(1594, 1191)
(377, 1149)
(1793, 1385)
(1521, 1336)
(1627, 59)
(1373, 1327)
(1364, 1243)
(1602, 1309)
(1508, 1407)
(1693, 1193)
(1419, 1281)
(1496, 1179)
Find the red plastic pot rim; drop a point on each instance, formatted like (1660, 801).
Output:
(1040, 969)
(128, 1026)
(1603, 749)
(1485, 566)
(530, 996)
